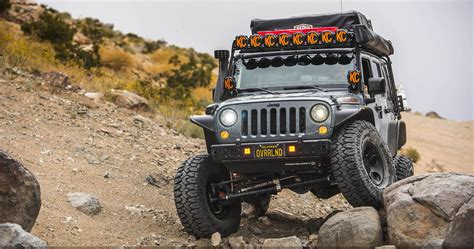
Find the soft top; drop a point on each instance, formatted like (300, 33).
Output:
(344, 20)
(350, 20)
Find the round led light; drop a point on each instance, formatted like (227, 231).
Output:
(270, 40)
(228, 117)
(241, 41)
(225, 134)
(323, 130)
(319, 113)
(312, 38)
(255, 41)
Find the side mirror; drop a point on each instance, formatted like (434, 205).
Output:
(376, 86)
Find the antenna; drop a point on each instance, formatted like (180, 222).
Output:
(341, 6)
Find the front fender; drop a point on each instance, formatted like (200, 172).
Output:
(346, 114)
(204, 121)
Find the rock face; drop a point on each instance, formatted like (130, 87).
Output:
(86, 203)
(20, 195)
(358, 227)
(429, 208)
(288, 242)
(458, 234)
(126, 99)
(13, 236)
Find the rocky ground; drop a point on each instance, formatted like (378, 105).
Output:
(75, 144)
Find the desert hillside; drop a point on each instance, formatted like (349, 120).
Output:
(444, 145)
(128, 160)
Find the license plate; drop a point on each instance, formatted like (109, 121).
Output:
(270, 151)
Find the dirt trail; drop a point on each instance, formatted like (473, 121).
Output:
(74, 144)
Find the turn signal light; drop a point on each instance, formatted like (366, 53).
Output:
(323, 130)
(225, 134)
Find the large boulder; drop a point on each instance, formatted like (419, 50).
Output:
(13, 236)
(358, 227)
(126, 99)
(20, 195)
(425, 209)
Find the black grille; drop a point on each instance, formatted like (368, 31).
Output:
(273, 121)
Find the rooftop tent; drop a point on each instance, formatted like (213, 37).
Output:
(351, 20)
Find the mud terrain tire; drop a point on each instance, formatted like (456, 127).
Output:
(361, 164)
(404, 167)
(191, 195)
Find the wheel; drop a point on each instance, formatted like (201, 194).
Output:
(261, 203)
(325, 190)
(403, 166)
(192, 191)
(361, 164)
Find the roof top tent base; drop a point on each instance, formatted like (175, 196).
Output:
(351, 20)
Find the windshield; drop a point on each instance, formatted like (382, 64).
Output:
(282, 72)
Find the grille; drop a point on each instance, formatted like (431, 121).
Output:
(273, 121)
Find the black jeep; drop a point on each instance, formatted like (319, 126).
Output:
(304, 103)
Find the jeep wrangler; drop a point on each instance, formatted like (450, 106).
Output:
(304, 103)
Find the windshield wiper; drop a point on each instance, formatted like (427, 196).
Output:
(304, 87)
(255, 89)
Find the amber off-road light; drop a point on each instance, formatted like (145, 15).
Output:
(354, 77)
(270, 40)
(298, 39)
(241, 41)
(255, 41)
(312, 38)
(284, 40)
(247, 151)
(292, 149)
(341, 36)
(327, 37)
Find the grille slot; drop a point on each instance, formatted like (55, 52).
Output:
(245, 123)
(302, 120)
(273, 121)
(254, 122)
(292, 120)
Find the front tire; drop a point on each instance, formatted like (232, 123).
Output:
(198, 215)
(361, 164)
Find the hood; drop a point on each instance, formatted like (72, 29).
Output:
(286, 96)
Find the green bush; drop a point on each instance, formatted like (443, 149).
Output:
(52, 28)
(152, 46)
(196, 72)
(5, 5)
(411, 153)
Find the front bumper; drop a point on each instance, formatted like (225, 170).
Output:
(303, 149)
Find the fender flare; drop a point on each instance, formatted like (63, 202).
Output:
(204, 121)
(345, 115)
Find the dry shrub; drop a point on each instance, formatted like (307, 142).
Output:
(20, 51)
(177, 118)
(411, 153)
(116, 59)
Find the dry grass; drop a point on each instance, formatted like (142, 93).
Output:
(116, 58)
(411, 153)
(20, 51)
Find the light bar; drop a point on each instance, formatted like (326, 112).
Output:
(293, 37)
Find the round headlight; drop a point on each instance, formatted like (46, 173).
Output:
(228, 117)
(319, 113)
